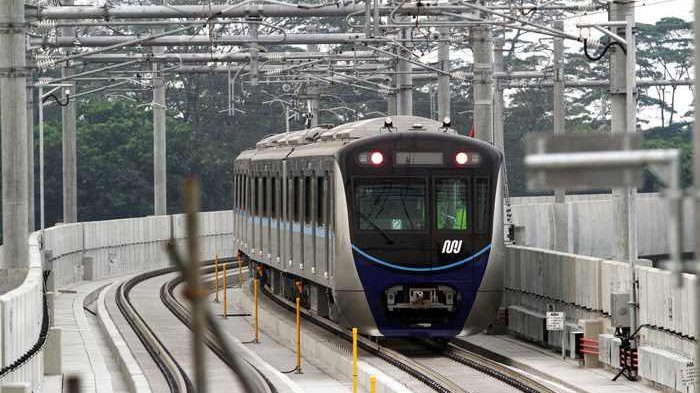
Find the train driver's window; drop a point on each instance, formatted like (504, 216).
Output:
(390, 205)
(452, 204)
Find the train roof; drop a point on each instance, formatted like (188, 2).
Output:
(326, 139)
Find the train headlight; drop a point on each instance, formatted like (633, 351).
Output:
(462, 158)
(376, 158)
(467, 159)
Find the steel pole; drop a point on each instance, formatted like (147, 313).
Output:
(31, 219)
(404, 97)
(158, 106)
(498, 102)
(631, 128)
(561, 219)
(443, 93)
(68, 116)
(696, 184)
(618, 124)
(42, 215)
(13, 106)
(482, 86)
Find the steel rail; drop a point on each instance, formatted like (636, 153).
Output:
(175, 376)
(167, 296)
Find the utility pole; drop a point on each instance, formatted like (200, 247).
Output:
(13, 125)
(498, 103)
(443, 92)
(696, 186)
(623, 108)
(391, 100)
(70, 150)
(561, 216)
(482, 85)
(160, 162)
(30, 142)
(404, 98)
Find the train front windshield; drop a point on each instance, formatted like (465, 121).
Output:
(391, 205)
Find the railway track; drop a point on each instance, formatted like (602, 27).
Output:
(176, 376)
(427, 366)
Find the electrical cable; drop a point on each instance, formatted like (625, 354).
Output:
(58, 101)
(42, 334)
(605, 50)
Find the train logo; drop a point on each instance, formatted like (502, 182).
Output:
(452, 246)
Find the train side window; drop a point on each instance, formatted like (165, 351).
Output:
(482, 204)
(295, 199)
(246, 194)
(308, 200)
(236, 185)
(253, 196)
(320, 197)
(273, 197)
(452, 204)
(265, 210)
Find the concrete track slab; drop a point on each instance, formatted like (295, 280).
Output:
(312, 379)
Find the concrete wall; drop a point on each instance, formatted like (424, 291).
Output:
(590, 230)
(89, 251)
(20, 321)
(537, 279)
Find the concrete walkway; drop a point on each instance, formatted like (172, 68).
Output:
(549, 365)
(83, 349)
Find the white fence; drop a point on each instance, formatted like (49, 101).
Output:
(581, 286)
(591, 228)
(89, 251)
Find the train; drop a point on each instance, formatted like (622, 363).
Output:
(389, 225)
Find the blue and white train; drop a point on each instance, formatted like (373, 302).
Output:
(393, 226)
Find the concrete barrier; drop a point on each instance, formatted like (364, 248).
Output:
(20, 321)
(538, 280)
(92, 250)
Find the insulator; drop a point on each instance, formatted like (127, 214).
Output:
(46, 25)
(587, 7)
(46, 63)
(461, 75)
(44, 80)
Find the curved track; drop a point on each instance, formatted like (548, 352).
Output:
(173, 363)
(177, 379)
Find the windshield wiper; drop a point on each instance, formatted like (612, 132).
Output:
(386, 236)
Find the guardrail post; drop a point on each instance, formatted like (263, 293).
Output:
(354, 360)
(256, 284)
(216, 280)
(225, 293)
(240, 269)
(372, 384)
(298, 324)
